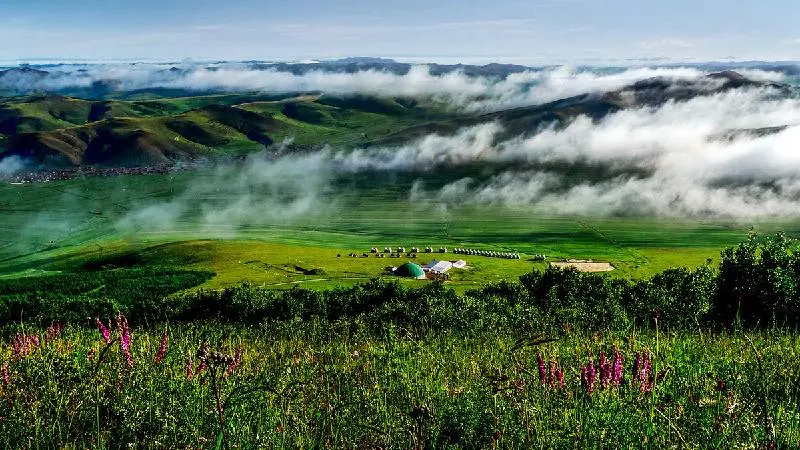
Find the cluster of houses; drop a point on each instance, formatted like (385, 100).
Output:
(487, 253)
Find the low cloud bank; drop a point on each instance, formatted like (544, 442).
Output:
(471, 92)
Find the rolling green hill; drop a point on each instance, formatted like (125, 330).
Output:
(56, 131)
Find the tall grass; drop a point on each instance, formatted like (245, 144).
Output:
(317, 384)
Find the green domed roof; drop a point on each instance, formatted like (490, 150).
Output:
(410, 270)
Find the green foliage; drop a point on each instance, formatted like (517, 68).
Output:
(758, 283)
(74, 297)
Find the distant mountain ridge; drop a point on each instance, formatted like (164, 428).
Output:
(53, 131)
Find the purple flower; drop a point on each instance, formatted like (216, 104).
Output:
(18, 345)
(124, 338)
(616, 370)
(635, 372)
(189, 369)
(605, 370)
(542, 370)
(6, 376)
(103, 331)
(162, 351)
(645, 383)
(52, 332)
(237, 360)
(201, 368)
(559, 376)
(588, 377)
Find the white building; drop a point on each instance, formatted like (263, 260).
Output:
(438, 266)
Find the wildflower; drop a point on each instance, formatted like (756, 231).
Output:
(237, 360)
(18, 346)
(124, 338)
(201, 368)
(551, 373)
(103, 331)
(6, 376)
(645, 370)
(616, 369)
(542, 370)
(23, 345)
(559, 376)
(635, 372)
(605, 370)
(52, 332)
(162, 351)
(189, 369)
(588, 377)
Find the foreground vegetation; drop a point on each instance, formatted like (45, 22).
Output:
(701, 358)
(321, 385)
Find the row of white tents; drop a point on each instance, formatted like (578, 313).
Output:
(487, 253)
(403, 250)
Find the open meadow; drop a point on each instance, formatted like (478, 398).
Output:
(112, 222)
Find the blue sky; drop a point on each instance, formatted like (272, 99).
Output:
(530, 31)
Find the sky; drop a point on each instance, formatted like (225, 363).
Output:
(477, 31)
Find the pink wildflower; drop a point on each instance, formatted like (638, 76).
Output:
(162, 351)
(23, 345)
(103, 331)
(635, 373)
(201, 368)
(542, 370)
(588, 377)
(124, 338)
(556, 376)
(559, 375)
(18, 346)
(52, 332)
(616, 370)
(189, 369)
(644, 377)
(605, 370)
(6, 376)
(551, 373)
(237, 360)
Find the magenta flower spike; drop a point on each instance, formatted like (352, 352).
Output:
(6, 376)
(542, 370)
(635, 374)
(124, 338)
(18, 346)
(591, 372)
(559, 374)
(237, 360)
(189, 369)
(616, 370)
(103, 331)
(201, 368)
(52, 332)
(605, 370)
(162, 350)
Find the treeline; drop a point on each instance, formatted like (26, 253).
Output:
(755, 285)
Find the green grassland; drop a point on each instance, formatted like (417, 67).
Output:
(64, 225)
